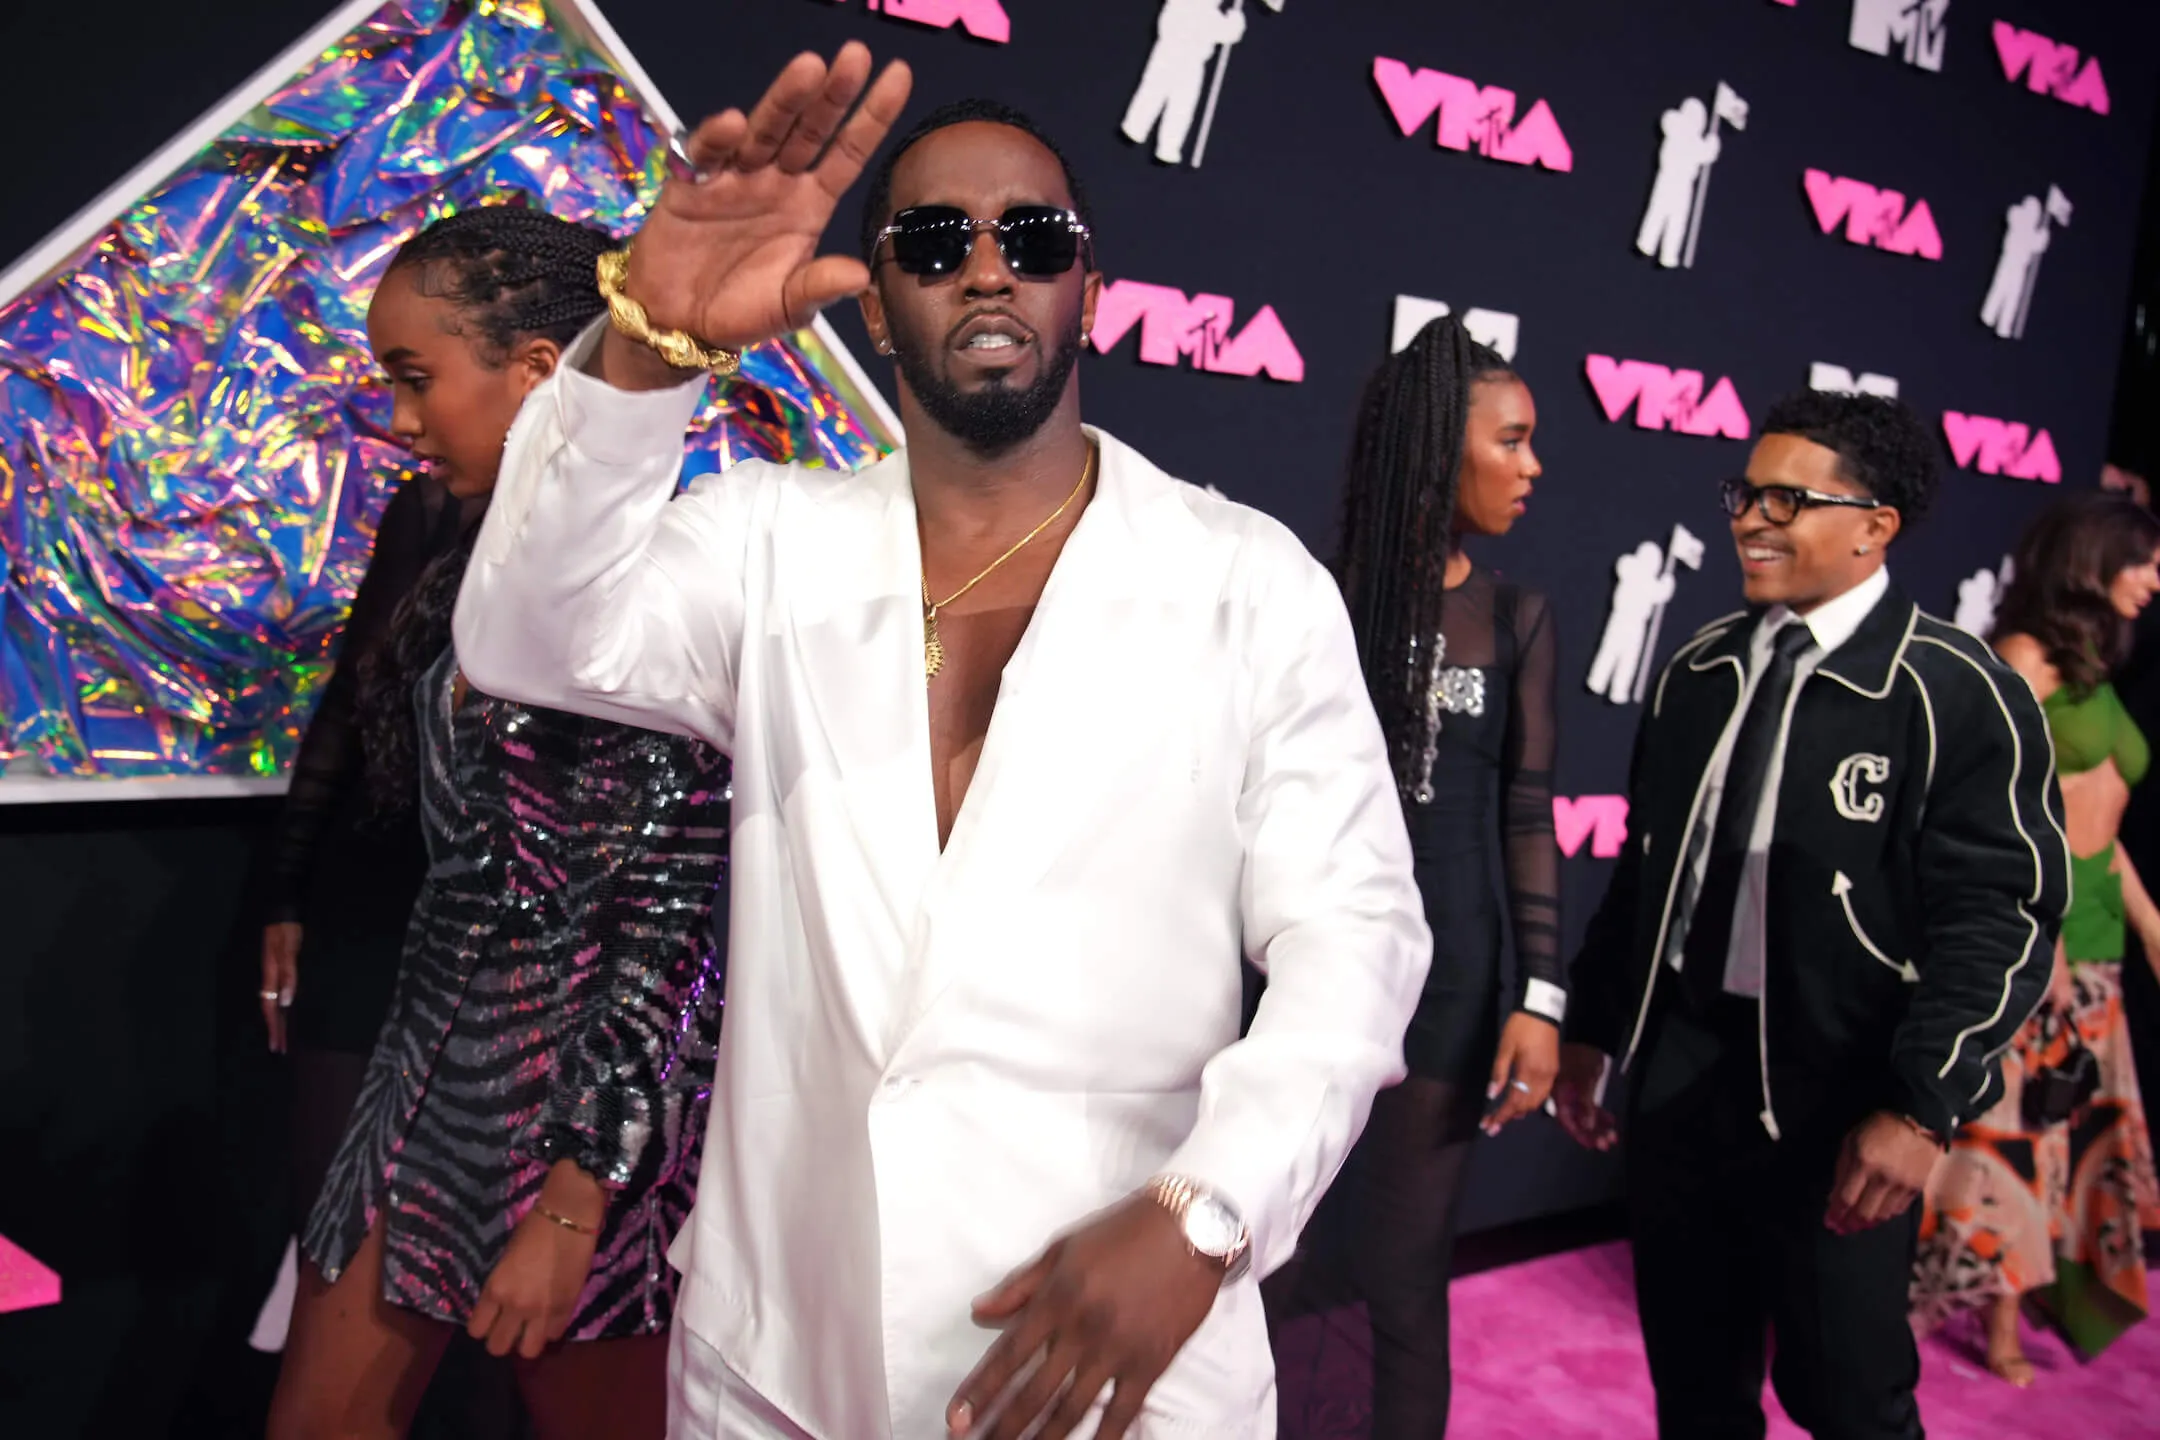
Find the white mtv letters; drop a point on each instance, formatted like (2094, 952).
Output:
(1188, 35)
(1917, 28)
(1643, 584)
(1840, 381)
(1495, 328)
(2026, 229)
(1673, 219)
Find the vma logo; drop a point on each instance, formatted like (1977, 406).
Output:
(2050, 69)
(1873, 217)
(1913, 30)
(1599, 819)
(2027, 227)
(2001, 447)
(1495, 328)
(1472, 116)
(1837, 380)
(1666, 399)
(983, 19)
(1174, 327)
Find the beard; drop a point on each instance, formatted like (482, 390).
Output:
(998, 416)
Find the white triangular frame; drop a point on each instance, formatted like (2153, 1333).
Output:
(41, 261)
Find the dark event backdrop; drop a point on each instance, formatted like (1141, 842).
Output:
(134, 1086)
(1310, 199)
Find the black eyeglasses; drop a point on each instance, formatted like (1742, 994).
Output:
(1781, 504)
(1037, 241)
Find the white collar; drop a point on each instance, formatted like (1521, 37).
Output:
(1833, 622)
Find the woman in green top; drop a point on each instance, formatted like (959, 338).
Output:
(2045, 1195)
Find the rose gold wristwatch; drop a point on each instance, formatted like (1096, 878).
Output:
(1213, 1231)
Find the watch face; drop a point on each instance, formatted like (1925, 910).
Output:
(1210, 1226)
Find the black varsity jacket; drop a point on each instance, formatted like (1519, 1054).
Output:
(1917, 875)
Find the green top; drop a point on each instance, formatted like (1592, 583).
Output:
(2090, 730)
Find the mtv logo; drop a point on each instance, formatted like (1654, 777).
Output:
(1495, 328)
(1916, 28)
(1472, 116)
(1600, 819)
(1666, 399)
(1175, 326)
(1873, 217)
(983, 19)
(2050, 68)
(1838, 380)
(2001, 447)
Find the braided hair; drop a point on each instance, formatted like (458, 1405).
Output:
(510, 274)
(1398, 516)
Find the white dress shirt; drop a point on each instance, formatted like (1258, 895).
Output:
(935, 1061)
(1831, 623)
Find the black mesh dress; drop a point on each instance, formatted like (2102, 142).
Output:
(1481, 824)
(347, 874)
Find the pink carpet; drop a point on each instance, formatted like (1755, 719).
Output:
(1550, 1351)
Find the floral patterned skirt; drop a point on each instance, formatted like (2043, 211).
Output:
(2056, 1214)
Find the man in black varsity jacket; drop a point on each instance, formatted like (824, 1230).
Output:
(1837, 904)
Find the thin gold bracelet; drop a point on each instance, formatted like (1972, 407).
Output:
(565, 1221)
(678, 348)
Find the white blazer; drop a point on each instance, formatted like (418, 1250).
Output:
(931, 1064)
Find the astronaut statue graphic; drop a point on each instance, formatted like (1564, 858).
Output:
(1673, 219)
(1188, 35)
(1643, 584)
(1978, 595)
(2026, 232)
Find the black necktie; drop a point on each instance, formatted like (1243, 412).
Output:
(1709, 936)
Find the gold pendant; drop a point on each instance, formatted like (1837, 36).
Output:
(933, 649)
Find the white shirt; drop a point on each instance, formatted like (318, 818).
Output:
(935, 1061)
(1831, 623)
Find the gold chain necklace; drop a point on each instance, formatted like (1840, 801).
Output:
(933, 648)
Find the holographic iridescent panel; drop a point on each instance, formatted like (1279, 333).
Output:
(194, 443)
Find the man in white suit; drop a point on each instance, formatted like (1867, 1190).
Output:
(1032, 743)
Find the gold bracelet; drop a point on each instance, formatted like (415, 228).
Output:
(565, 1221)
(679, 349)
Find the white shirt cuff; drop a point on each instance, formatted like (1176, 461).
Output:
(621, 427)
(1542, 997)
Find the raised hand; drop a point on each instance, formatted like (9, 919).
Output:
(731, 255)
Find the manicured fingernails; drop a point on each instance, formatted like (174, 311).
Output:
(961, 1418)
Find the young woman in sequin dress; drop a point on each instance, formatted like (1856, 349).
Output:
(1460, 664)
(526, 1139)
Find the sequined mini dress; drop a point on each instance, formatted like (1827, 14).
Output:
(558, 999)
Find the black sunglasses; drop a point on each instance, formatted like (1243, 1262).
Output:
(1037, 241)
(1781, 504)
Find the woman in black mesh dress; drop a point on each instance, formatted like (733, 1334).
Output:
(1460, 664)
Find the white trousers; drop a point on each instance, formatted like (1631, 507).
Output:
(707, 1400)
